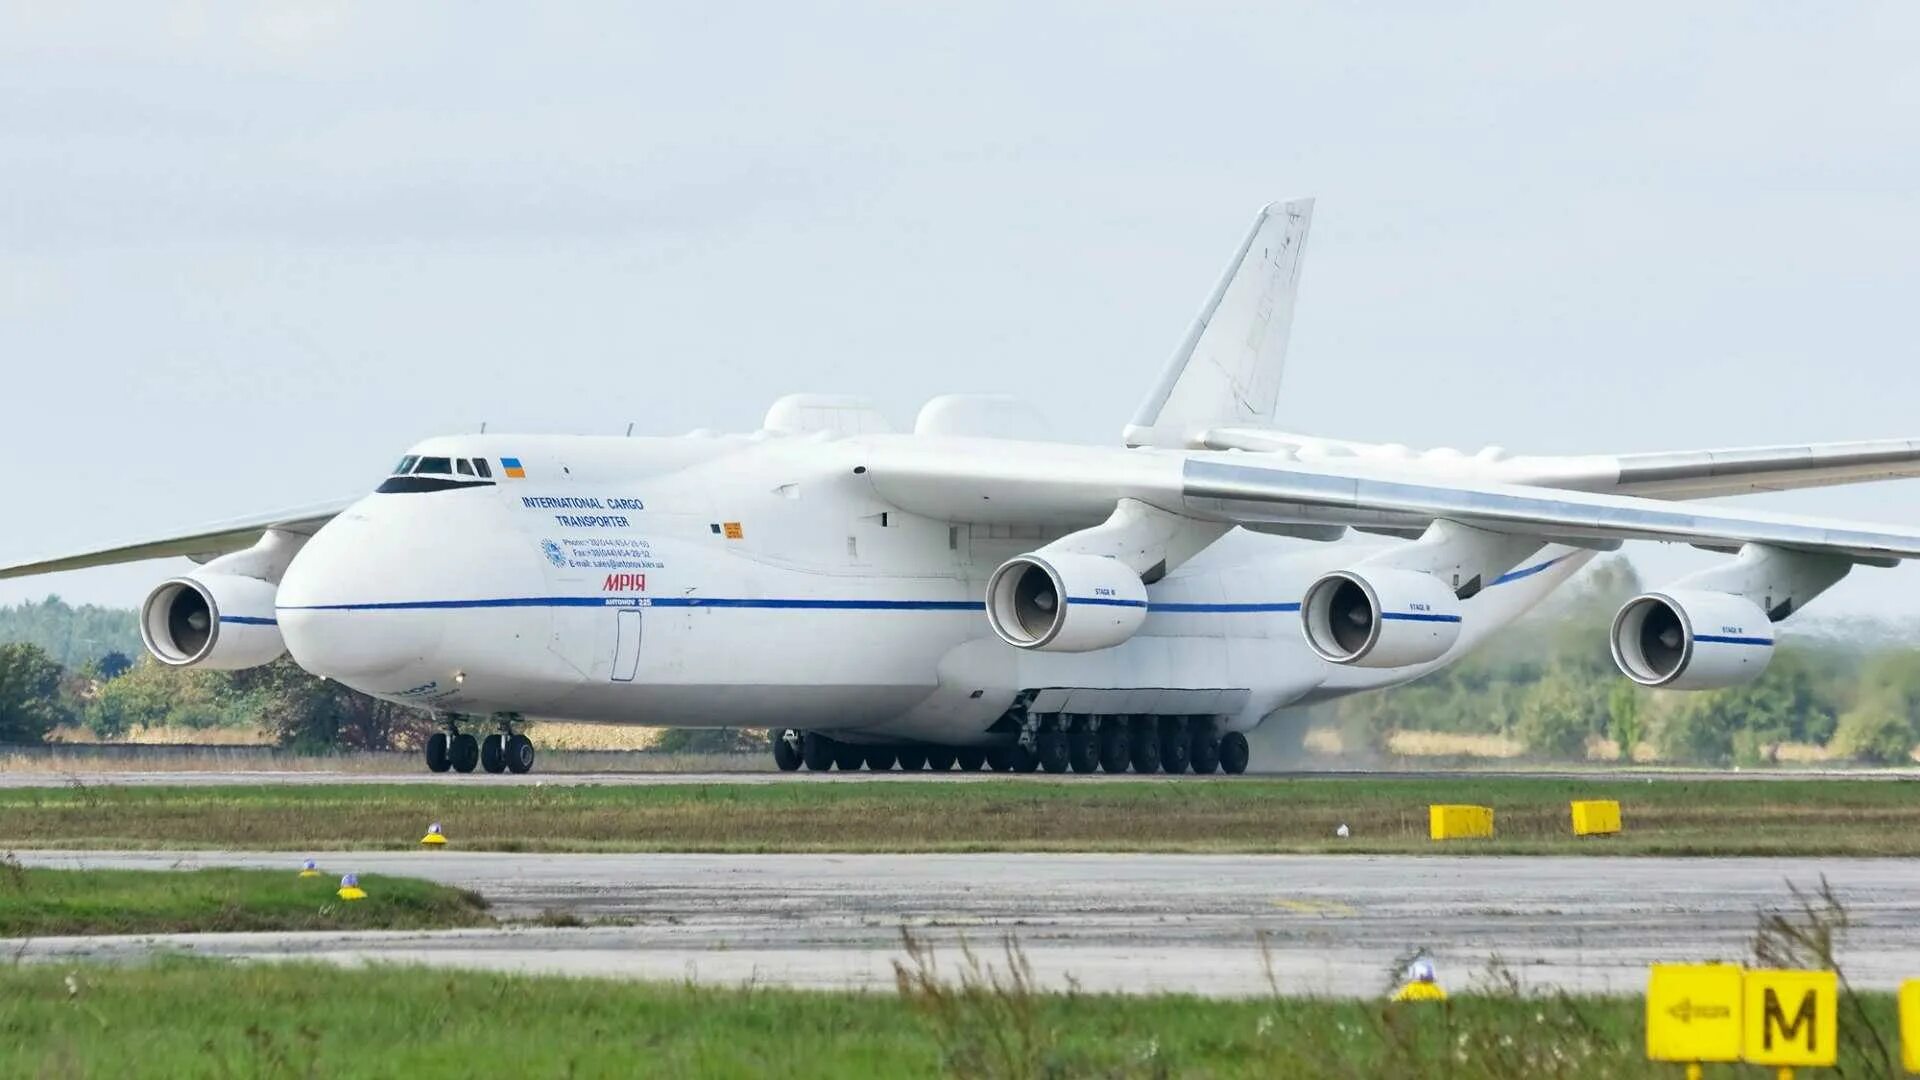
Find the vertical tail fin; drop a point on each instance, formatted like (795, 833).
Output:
(1227, 370)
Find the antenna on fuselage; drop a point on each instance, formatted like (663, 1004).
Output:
(629, 429)
(483, 427)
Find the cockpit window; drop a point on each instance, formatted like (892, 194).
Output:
(480, 466)
(463, 467)
(436, 465)
(406, 465)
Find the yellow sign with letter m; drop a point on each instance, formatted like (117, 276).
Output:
(1790, 1018)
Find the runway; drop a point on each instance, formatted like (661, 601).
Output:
(57, 778)
(1331, 925)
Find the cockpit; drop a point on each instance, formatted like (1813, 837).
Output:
(419, 473)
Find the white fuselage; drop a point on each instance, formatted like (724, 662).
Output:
(761, 581)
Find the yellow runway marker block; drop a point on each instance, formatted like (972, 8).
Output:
(1596, 817)
(1910, 1025)
(1447, 822)
(1693, 1013)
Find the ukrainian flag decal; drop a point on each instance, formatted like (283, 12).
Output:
(512, 467)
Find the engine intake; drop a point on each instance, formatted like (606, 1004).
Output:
(219, 621)
(1065, 602)
(1380, 618)
(1691, 640)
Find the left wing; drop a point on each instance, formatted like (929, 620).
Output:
(197, 544)
(1001, 482)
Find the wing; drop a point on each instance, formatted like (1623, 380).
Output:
(1694, 473)
(198, 544)
(1012, 482)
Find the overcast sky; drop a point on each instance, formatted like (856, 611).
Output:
(248, 253)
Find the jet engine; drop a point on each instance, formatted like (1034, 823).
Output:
(1380, 618)
(1689, 639)
(1065, 602)
(220, 621)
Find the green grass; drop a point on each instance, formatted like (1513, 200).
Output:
(1385, 814)
(43, 903)
(180, 1017)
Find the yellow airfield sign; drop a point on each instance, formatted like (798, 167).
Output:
(1693, 1012)
(1790, 1018)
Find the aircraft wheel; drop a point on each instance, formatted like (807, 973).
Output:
(1000, 759)
(1175, 745)
(493, 753)
(912, 759)
(1204, 752)
(881, 758)
(849, 757)
(1143, 744)
(1050, 748)
(519, 754)
(1234, 753)
(1114, 749)
(941, 758)
(436, 748)
(1083, 749)
(1022, 760)
(972, 760)
(786, 750)
(816, 750)
(464, 752)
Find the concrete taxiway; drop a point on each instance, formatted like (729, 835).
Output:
(1219, 925)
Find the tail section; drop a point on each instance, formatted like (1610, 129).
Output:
(1227, 370)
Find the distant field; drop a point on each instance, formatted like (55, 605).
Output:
(1383, 814)
(43, 903)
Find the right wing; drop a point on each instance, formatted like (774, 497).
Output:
(199, 544)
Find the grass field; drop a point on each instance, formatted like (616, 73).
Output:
(42, 903)
(1384, 814)
(180, 1017)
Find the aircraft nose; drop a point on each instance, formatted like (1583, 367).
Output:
(350, 604)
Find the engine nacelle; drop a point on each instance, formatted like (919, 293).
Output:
(220, 621)
(1380, 618)
(1689, 639)
(1065, 602)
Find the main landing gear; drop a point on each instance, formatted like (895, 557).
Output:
(504, 751)
(1060, 743)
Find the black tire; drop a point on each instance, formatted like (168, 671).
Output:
(1176, 747)
(1203, 755)
(464, 752)
(912, 759)
(1050, 748)
(972, 760)
(519, 754)
(816, 751)
(786, 754)
(849, 757)
(1022, 760)
(493, 753)
(1234, 753)
(881, 758)
(1083, 749)
(436, 748)
(1143, 744)
(941, 758)
(1000, 759)
(1115, 751)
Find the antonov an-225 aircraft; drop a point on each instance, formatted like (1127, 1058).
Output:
(969, 593)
